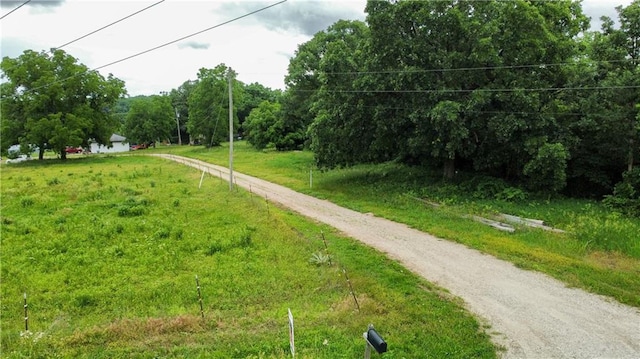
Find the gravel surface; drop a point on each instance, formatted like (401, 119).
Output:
(531, 314)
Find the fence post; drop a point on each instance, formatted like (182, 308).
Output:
(200, 298)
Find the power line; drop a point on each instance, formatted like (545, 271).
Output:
(496, 112)
(113, 23)
(480, 68)
(484, 90)
(160, 46)
(188, 36)
(21, 5)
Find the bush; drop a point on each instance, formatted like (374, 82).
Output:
(626, 194)
(547, 170)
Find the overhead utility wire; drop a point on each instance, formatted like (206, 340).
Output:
(414, 71)
(160, 46)
(188, 36)
(113, 23)
(484, 90)
(454, 69)
(21, 5)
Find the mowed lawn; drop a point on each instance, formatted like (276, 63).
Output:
(107, 250)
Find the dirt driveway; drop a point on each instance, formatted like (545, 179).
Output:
(531, 314)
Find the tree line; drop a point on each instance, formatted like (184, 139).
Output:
(518, 90)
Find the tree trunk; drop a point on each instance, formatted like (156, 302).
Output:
(449, 168)
(631, 157)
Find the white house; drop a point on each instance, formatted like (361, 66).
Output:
(117, 143)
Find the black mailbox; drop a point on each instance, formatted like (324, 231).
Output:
(375, 340)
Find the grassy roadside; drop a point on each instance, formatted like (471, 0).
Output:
(107, 249)
(600, 251)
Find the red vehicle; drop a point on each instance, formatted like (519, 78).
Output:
(70, 149)
(135, 147)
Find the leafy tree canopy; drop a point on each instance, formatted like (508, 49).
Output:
(149, 119)
(209, 105)
(253, 95)
(264, 126)
(52, 101)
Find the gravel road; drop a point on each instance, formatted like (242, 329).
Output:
(531, 314)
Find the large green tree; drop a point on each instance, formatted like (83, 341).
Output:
(606, 132)
(209, 105)
(463, 84)
(341, 132)
(303, 79)
(52, 101)
(180, 103)
(264, 125)
(618, 52)
(150, 119)
(253, 95)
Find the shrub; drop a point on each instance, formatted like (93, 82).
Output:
(162, 233)
(85, 300)
(131, 210)
(626, 194)
(320, 258)
(26, 201)
(511, 194)
(489, 188)
(214, 248)
(547, 170)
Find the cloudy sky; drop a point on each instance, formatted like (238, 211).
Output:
(258, 47)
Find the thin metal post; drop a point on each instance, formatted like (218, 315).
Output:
(26, 314)
(367, 350)
(351, 289)
(326, 247)
(200, 298)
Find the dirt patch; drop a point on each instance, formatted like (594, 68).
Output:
(531, 314)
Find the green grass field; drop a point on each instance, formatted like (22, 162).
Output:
(107, 250)
(600, 251)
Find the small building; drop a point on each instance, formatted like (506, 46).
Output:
(117, 144)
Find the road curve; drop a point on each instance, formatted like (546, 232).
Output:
(531, 314)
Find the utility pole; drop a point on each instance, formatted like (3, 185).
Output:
(178, 125)
(230, 78)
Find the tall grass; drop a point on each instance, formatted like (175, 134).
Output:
(600, 251)
(109, 251)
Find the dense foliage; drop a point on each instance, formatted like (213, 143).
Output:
(459, 85)
(264, 125)
(209, 105)
(455, 85)
(51, 101)
(149, 119)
